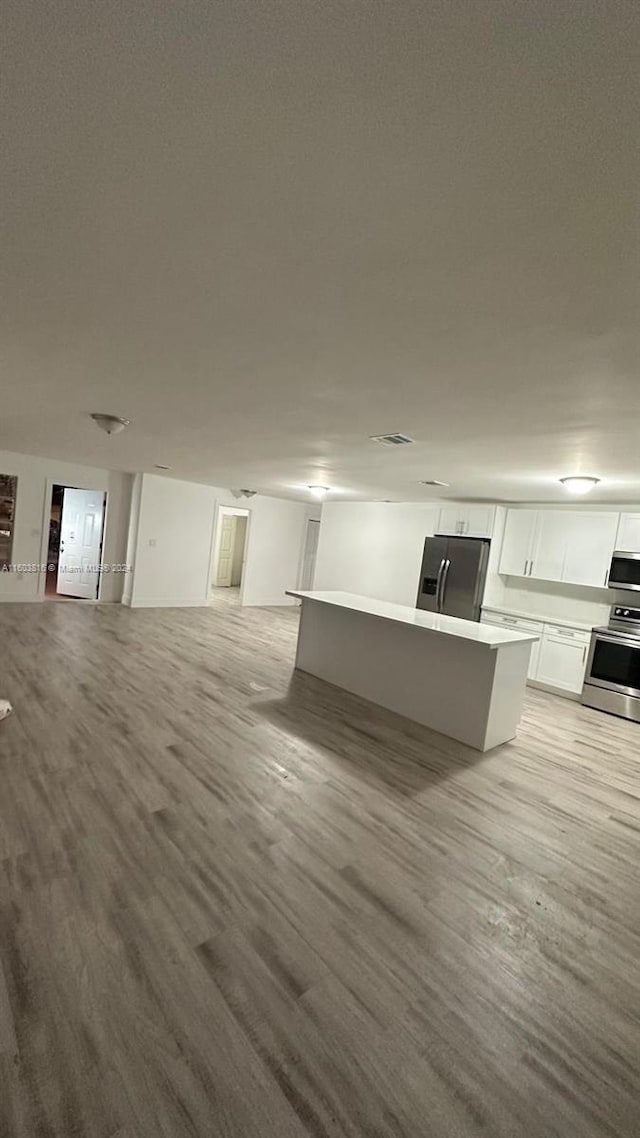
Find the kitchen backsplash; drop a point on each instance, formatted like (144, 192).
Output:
(565, 602)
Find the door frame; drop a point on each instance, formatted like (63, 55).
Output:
(310, 521)
(44, 542)
(243, 511)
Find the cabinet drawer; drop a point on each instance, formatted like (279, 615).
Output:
(579, 635)
(516, 622)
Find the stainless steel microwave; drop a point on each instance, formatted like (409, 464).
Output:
(625, 571)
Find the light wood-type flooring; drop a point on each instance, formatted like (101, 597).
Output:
(233, 904)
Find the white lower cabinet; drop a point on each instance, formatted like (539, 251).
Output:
(519, 624)
(562, 658)
(558, 658)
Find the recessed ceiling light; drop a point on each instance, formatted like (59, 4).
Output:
(318, 491)
(159, 466)
(432, 482)
(579, 483)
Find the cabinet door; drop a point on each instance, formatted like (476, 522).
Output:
(517, 543)
(628, 539)
(478, 521)
(547, 560)
(561, 662)
(590, 542)
(451, 520)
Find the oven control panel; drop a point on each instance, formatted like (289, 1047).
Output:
(624, 616)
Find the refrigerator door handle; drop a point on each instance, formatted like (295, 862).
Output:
(439, 585)
(443, 584)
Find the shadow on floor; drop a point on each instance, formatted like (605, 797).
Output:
(374, 743)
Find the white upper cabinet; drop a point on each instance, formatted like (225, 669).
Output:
(467, 521)
(574, 546)
(591, 539)
(518, 542)
(547, 562)
(450, 520)
(628, 538)
(479, 521)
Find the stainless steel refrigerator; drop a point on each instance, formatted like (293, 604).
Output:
(452, 576)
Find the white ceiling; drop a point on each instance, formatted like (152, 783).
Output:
(264, 231)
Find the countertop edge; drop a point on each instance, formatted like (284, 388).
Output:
(492, 646)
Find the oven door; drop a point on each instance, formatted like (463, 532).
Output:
(614, 663)
(625, 571)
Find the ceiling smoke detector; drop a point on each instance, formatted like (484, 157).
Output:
(110, 424)
(393, 440)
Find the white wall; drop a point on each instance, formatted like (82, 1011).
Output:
(374, 548)
(173, 543)
(132, 537)
(277, 530)
(565, 602)
(173, 547)
(32, 520)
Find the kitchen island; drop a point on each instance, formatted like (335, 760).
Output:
(463, 679)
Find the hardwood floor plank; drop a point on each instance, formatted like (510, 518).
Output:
(241, 903)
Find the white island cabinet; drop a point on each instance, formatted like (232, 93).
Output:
(459, 677)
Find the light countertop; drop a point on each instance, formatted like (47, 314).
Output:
(542, 619)
(488, 635)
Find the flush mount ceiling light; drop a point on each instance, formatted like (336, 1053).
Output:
(579, 483)
(110, 424)
(159, 466)
(318, 491)
(433, 482)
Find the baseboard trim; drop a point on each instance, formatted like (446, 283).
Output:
(21, 600)
(167, 603)
(575, 696)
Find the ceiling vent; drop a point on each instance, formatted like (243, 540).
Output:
(396, 440)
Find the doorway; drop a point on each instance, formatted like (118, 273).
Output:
(229, 553)
(74, 550)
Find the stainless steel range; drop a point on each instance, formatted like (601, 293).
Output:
(612, 676)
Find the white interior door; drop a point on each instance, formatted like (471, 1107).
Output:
(225, 551)
(310, 551)
(80, 543)
(239, 542)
